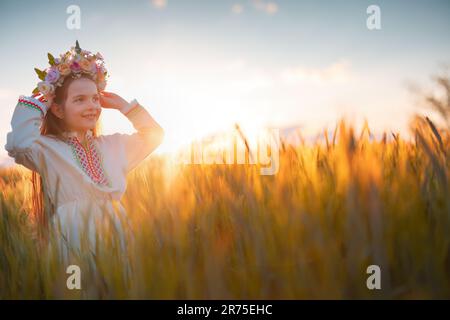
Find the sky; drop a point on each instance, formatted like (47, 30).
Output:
(200, 66)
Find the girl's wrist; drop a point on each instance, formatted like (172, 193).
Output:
(128, 107)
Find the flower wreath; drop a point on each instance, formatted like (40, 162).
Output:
(74, 62)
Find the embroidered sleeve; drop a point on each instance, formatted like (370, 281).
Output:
(148, 136)
(26, 123)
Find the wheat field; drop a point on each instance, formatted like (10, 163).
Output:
(227, 232)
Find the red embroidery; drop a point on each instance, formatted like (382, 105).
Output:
(31, 104)
(89, 159)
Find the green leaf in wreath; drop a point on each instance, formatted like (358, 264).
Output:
(41, 74)
(51, 59)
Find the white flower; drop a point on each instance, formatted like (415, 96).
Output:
(45, 87)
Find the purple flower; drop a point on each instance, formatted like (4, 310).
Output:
(52, 75)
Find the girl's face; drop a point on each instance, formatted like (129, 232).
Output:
(82, 108)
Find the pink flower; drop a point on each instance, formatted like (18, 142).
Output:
(64, 69)
(101, 68)
(85, 64)
(75, 66)
(93, 67)
(52, 75)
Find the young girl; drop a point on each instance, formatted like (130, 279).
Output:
(54, 133)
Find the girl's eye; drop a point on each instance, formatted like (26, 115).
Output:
(78, 99)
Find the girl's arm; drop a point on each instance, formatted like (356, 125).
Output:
(22, 141)
(148, 136)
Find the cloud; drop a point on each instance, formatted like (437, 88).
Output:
(338, 72)
(268, 7)
(237, 8)
(159, 4)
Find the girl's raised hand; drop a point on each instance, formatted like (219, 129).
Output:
(111, 100)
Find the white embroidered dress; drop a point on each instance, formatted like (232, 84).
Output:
(79, 179)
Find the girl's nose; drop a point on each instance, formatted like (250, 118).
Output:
(94, 105)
